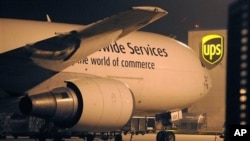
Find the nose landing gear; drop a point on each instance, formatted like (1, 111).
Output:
(165, 136)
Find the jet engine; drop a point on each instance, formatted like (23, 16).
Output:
(90, 104)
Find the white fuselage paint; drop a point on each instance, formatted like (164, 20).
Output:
(171, 76)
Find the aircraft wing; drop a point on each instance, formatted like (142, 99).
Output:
(28, 66)
(61, 51)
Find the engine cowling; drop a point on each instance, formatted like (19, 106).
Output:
(91, 104)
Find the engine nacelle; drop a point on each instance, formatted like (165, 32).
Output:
(107, 104)
(90, 104)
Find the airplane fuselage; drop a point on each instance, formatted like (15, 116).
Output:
(162, 73)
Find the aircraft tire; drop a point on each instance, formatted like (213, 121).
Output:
(105, 137)
(170, 136)
(90, 137)
(42, 139)
(118, 137)
(2, 136)
(165, 136)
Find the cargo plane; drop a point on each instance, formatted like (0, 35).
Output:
(94, 78)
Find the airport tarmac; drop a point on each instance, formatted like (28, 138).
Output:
(179, 137)
(147, 137)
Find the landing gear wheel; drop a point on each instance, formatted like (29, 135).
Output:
(165, 136)
(90, 137)
(42, 139)
(170, 136)
(105, 136)
(118, 137)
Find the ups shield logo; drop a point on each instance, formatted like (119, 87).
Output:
(212, 50)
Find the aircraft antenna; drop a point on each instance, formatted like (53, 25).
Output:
(48, 18)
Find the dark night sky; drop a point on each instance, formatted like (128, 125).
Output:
(183, 14)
